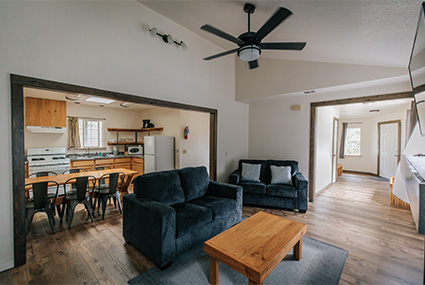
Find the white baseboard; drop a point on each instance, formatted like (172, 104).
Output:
(7, 264)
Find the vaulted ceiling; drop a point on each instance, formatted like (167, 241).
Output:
(373, 32)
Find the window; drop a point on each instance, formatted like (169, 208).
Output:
(352, 141)
(91, 133)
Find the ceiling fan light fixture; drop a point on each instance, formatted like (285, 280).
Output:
(249, 52)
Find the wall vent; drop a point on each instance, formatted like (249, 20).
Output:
(309, 92)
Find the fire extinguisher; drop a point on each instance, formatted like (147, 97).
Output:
(186, 132)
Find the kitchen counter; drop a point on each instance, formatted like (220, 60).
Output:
(413, 173)
(108, 156)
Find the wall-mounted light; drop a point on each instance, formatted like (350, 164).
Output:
(167, 38)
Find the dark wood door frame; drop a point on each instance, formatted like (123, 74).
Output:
(315, 105)
(398, 122)
(18, 83)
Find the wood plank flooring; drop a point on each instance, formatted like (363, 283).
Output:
(354, 214)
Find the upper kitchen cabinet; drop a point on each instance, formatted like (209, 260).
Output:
(45, 112)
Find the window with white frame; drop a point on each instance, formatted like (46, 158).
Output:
(91, 133)
(352, 141)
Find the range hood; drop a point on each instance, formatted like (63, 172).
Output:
(46, 130)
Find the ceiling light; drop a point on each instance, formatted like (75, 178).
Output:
(100, 100)
(125, 104)
(374, 111)
(249, 52)
(73, 97)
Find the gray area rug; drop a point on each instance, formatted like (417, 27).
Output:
(380, 178)
(321, 263)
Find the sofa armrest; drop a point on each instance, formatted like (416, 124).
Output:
(225, 190)
(151, 227)
(302, 185)
(235, 177)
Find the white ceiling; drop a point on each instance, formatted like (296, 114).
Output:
(370, 32)
(60, 96)
(361, 110)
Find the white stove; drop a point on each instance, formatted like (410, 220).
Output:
(47, 159)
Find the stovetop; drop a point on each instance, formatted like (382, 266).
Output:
(47, 156)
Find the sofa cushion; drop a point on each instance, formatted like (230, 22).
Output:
(253, 187)
(251, 172)
(162, 186)
(292, 163)
(194, 181)
(222, 208)
(281, 190)
(263, 174)
(281, 175)
(190, 216)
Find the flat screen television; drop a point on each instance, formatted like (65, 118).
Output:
(417, 69)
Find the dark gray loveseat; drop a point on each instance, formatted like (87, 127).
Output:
(263, 193)
(171, 211)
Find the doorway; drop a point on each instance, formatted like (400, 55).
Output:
(389, 147)
(334, 149)
(18, 83)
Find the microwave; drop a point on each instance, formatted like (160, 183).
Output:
(135, 149)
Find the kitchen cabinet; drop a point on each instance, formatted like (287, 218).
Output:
(108, 162)
(45, 112)
(137, 164)
(124, 162)
(84, 164)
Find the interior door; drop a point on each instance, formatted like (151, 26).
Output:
(334, 149)
(389, 148)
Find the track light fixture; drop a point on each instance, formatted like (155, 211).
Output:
(167, 38)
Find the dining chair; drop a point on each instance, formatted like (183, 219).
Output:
(102, 183)
(42, 174)
(77, 196)
(102, 194)
(40, 201)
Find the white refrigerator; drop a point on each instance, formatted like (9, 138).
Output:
(158, 153)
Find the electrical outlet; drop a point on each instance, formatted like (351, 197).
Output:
(184, 151)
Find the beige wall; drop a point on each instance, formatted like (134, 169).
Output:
(106, 45)
(194, 151)
(368, 161)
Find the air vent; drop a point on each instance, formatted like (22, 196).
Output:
(309, 92)
(374, 111)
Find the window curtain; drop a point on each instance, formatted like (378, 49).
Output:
(73, 133)
(342, 145)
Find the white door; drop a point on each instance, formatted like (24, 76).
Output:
(334, 149)
(389, 145)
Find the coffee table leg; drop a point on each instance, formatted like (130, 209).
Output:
(298, 249)
(213, 270)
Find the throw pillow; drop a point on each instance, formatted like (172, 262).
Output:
(251, 172)
(281, 175)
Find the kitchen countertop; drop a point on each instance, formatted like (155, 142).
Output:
(108, 156)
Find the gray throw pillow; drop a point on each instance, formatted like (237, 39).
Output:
(281, 175)
(251, 172)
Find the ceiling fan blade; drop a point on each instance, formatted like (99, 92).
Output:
(221, 54)
(222, 34)
(278, 17)
(283, 46)
(253, 64)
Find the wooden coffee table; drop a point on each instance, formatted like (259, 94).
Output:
(255, 246)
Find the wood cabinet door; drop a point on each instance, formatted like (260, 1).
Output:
(139, 167)
(45, 112)
(123, 165)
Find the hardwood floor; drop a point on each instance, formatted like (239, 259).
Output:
(354, 214)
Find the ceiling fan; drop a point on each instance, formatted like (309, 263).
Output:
(249, 43)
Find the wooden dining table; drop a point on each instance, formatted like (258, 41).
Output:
(62, 178)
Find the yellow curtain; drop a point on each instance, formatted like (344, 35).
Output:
(73, 133)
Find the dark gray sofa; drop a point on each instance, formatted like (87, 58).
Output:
(273, 195)
(171, 211)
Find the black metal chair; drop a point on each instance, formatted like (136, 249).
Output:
(102, 194)
(42, 174)
(74, 170)
(50, 195)
(39, 201)
(77, 196)
(102, 182)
